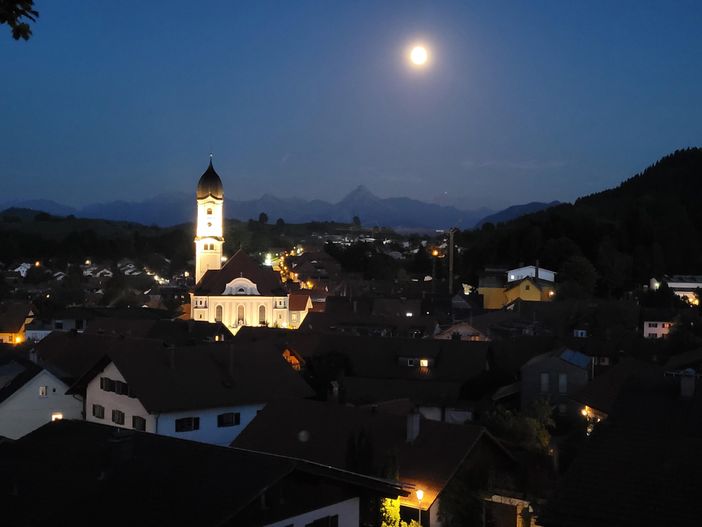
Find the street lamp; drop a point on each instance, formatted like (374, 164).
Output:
(420, 495)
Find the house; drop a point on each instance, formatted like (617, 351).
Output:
(30, 396)
(461, 331)
(206, 393)
(642, 465)
(14, 318)
(555, 377)
(76, 473)
(598, 397)
(685, 286)
(439, 376)
(430, 456)
(657, 329)
(531, 283)
(300, 305)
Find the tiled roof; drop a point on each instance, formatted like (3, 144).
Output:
(72, 472)
(320, 432)
(298, 302)
(214, 282)
(167, 379)
(12, 316)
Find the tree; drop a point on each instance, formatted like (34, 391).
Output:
(263, 218)
(578, 278)
(14, 12)
(280, 222)
(356, 222)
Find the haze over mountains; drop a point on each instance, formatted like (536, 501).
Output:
(400, 213)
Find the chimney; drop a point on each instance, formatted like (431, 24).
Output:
(688, 378)
(536, 273)
(412, 426)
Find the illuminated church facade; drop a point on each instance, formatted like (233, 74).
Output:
(241, 292)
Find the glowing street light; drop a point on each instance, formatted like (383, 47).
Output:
(420, 495)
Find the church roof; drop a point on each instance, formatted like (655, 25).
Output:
(214, 282)
(210, 184)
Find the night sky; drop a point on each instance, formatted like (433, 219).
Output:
(522, 100)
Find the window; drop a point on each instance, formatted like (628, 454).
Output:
(653, 324)
(138, 423)
(218, 314)
(262, 315)
(209, 211)
(544, 382)
(240, 315)
(58, 324)
(121, 388)
(423, 363)
(411, 362)
(43, 391)
(107, 385)
(187, 424)
(228, 419)
(118, 417)
(527, 287)
(56, 416)
(562, 383)
(98, 411)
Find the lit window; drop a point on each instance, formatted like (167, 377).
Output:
(209, 211)
(411, 362)
(43, 391)
(408, 314)
(98, 411)
(424, 363)
(56, 416)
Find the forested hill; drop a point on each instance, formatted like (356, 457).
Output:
(649, 225)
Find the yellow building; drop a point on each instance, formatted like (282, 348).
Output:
(530, 290)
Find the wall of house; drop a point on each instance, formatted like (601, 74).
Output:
(8, 338)
(493, 297)
(25, 410)
(656, 329)
(347, 512)
(112, 401)
(209, 432)
(531, 382)
(525, 290)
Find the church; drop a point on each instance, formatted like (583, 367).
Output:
(241, 292)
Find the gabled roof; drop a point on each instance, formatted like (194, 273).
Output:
(429, 461)
(13, 315)
(214, 282)
(177, 332)
(15, 372)
(602, 392)
(575, 358)
(88, 467)
(298, 302)
(168, 379)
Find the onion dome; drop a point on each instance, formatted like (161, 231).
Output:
(210, 184)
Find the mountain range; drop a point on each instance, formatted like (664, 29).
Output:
(399, 213)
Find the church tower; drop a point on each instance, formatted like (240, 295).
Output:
(209, 236)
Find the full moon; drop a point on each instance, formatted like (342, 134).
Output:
(419, 55)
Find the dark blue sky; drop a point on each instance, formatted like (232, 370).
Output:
(523, 101)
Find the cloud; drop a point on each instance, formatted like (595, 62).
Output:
(526, 165)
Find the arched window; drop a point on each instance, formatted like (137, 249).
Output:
(262, 315)
(240, 315)
(218, 314)
(209, 211)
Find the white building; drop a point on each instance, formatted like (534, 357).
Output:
(656, 329)
(532, 271)
(197, 393)
(31, 397)
(242, 292)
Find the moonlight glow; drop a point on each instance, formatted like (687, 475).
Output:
(419, 55)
